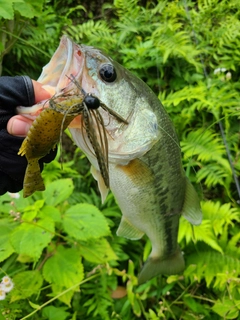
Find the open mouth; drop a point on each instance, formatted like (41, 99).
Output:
(67, 60)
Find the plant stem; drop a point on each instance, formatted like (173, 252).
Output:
(59, 295)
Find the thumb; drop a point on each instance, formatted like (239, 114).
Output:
(19, 125)
(40, 93)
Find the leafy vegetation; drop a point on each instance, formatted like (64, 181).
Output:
(60, 246)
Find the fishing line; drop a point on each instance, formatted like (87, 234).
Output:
(61, 133)
(219, 121)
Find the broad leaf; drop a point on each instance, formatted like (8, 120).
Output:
(84, 222)
(29, 8)
(30, 212)
(6, 9)
(63, 294)
(53, 313)
(64, 270)
(6, 248)
(26, 283)
(97, 251)
(30, 238)
(58, 191)
(50, 212)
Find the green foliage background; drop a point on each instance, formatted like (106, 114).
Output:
(60, 246)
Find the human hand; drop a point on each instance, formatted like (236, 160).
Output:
(16, 91)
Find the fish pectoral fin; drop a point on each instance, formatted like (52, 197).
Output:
(101, 184)
(127, 230)
(191, 208)
(155, 266)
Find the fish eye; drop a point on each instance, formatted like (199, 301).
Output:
(91, 101)
(108, 73)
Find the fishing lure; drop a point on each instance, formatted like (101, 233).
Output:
(44, 135)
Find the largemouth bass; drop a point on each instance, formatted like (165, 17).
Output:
(145, 169)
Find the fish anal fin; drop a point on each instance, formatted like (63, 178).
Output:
(191, 208)
(154, 266)
(33, 180)
(127, 230)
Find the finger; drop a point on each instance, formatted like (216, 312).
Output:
(40, 93)
(19, 126)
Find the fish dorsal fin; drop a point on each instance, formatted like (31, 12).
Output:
(101, 185)
(191, 208)
(127, 230)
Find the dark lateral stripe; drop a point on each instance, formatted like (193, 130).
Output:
(171, 231)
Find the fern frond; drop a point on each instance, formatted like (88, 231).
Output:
(97, 296)
(212, 174)
(126, 7)
(212, 266)
(202, 233)
(216, 218)
(92, 32)
(219, 215)
(205, 144)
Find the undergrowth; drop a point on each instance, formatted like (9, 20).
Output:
(188, 53)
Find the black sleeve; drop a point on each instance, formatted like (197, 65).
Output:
(14, 91)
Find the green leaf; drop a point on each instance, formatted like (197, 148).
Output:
(6, 248)
(219, 215)
(30, 238)
(58, 191)
(34, 305)
(13, 202)
(84, 222)
(64, 269)
(26, 283)
(153, 315)
(204, 144)
(30, 212)
(227, 308)
(212, 265)
(29, 8)
(202, 232)
(53, 313)
(194, 305)
(63, 294)
(98, 251)
(50, 212)
(6, 9)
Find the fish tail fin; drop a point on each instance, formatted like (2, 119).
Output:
(33, 180)
(155, 266)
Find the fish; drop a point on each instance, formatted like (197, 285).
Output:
(146, 175)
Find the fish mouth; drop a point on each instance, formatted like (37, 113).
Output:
(66, 62)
